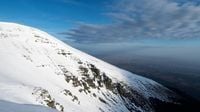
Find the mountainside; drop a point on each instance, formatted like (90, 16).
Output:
(39, 71)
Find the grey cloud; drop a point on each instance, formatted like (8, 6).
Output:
(141, 19)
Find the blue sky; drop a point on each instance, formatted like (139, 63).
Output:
(53, 16)
(169, 22)
(144, 19)
(102, 21)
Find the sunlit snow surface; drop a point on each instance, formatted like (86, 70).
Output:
(33, 71)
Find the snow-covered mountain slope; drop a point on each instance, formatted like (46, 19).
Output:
(37, 69)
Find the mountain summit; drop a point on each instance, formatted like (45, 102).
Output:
(38, 71)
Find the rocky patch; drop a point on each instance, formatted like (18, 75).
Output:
(44, 98)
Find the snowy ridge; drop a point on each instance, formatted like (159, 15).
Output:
(38, 69)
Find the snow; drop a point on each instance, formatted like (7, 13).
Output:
(30, 59)
(23, 107)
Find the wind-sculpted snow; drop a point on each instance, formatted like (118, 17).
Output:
(38, 69)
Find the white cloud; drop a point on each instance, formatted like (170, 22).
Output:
(139, 19)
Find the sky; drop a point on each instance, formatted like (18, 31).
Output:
(107, 21)
(53, 16)
(103, 25)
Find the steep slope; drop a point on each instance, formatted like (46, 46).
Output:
(38, 69)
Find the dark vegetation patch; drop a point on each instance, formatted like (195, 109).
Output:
(63, 52)
(69, 93)
(41, 39)
(43, 97)
(3, 35)
(93, 78)
(102, 100)
(27, 57)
